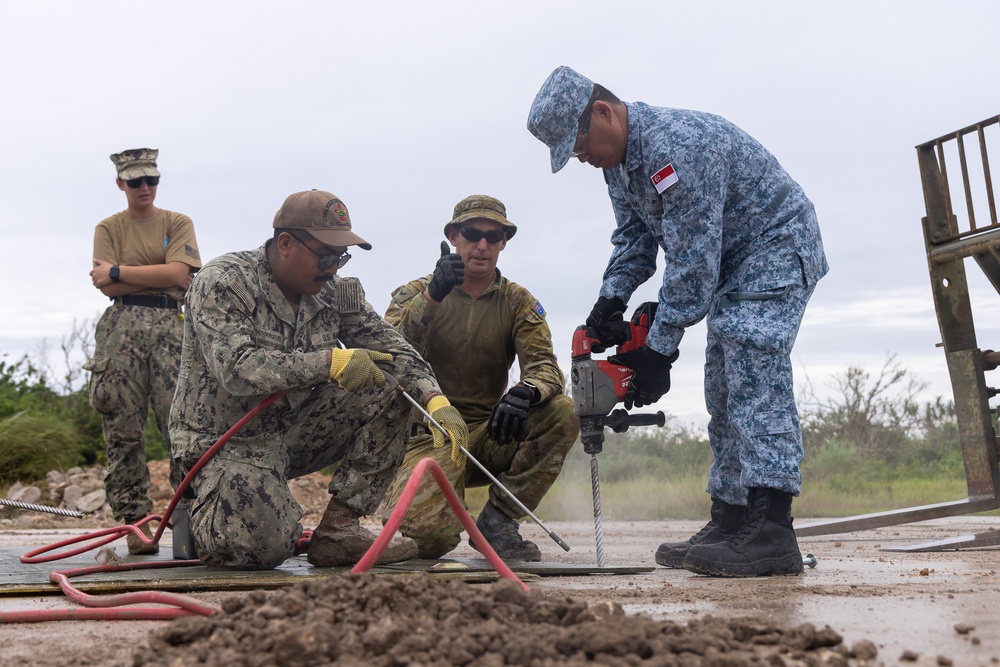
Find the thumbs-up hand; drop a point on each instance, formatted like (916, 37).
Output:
(450, 271)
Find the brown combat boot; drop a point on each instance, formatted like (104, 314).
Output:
(340, 540)
(137, 547)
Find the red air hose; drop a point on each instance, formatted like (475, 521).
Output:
(406, 499)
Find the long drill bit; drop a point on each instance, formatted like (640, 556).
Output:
(595, 482)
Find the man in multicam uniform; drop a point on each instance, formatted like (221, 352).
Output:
(741, 245)
(144, 258)
(273, 320)
(470, 323)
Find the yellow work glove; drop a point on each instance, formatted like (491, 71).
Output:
(355, 368)
(444, 413)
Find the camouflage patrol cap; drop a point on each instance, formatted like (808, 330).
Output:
(555, 114)
(321, 214)
(481, 207)
(136, 162)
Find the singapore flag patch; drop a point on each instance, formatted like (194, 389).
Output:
(664, 178)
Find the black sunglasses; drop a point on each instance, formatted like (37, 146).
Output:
(151, 181)
(473, 235)
(325, 261)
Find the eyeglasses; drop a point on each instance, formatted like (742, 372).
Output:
(582, 141)
(326, 261)
(473, 235)
(151, 181)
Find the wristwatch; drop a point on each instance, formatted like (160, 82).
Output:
(114, 273)
(535, 394)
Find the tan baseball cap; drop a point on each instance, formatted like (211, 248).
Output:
(481, 207)
(321, 214)
(136, 162)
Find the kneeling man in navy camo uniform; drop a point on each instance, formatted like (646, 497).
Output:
(741, 247)
(280, 319)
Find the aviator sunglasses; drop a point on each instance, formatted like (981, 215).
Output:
(325, 261)
(151, 181)
(473, 235)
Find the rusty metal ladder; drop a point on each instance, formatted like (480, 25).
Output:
(948, 245)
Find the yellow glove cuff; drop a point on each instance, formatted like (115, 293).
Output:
(338, 359)
(438, 401)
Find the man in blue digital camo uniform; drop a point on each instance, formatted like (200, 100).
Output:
(741, 246)
(471, 323)
(280, 319)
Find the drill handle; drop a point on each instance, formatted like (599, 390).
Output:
(619, 420)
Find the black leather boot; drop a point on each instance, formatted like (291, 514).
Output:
(501, 532)
(726, 521)
(765, 545)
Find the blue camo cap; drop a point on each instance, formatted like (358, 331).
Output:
(555, 114)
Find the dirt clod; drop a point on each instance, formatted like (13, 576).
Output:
(864, 649)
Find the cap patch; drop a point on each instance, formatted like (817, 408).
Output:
(338, 209)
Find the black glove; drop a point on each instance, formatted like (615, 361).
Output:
(651, 379)
(606, 323)
(510, 416)
(450, 271)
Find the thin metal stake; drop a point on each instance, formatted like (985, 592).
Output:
(558, 540)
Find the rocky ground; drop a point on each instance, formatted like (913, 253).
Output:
(861, 605)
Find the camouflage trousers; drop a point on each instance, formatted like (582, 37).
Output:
(754, 425)
(244, 515)
(527, 469)
(137, 353)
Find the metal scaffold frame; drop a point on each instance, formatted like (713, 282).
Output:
(948, 245)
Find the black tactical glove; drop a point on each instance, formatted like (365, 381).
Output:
(510, 415)
(450, 271)
(606, 323)
(651, 379)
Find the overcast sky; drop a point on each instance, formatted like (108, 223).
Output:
(402, 109)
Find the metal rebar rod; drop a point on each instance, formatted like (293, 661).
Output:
(40, 508)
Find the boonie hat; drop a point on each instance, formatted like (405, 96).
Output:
(136, 162)
(321, 214)
(481, 207)
(555, 114)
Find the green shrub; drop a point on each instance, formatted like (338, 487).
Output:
(23, 387)
(32, 444)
